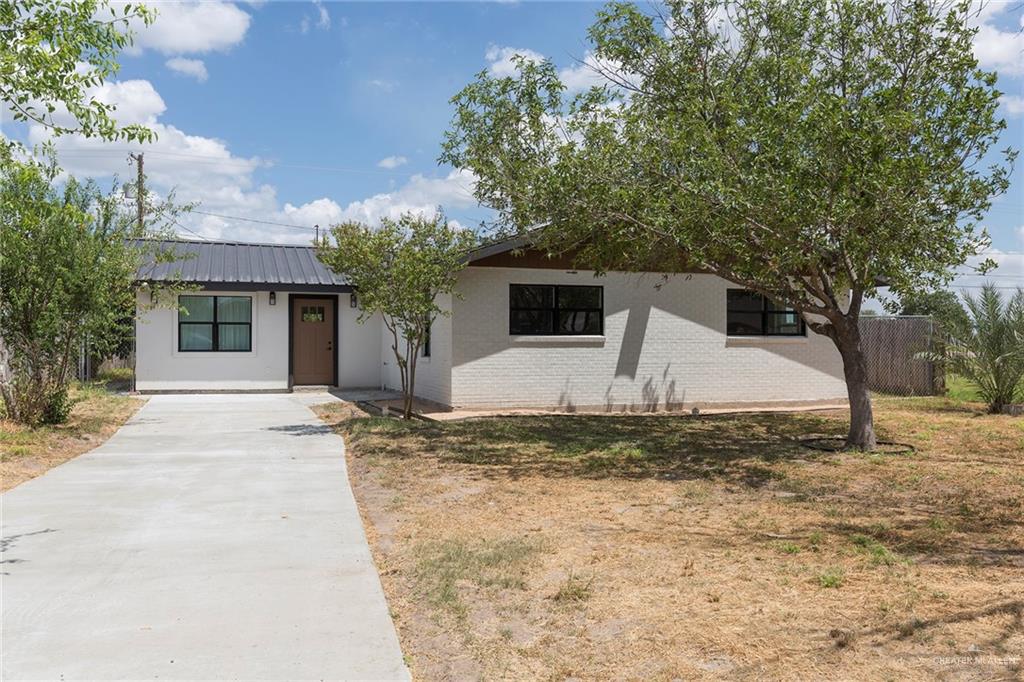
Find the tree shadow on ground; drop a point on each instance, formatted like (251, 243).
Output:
(739, 448)
(1012, 610)
(974, 541)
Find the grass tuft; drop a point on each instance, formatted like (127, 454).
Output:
(879, 554)
(831, 578)
(575, 590)
(443, 568)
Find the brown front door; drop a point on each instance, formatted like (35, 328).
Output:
(313, 341)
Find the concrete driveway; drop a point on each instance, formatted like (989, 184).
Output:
(213, 537)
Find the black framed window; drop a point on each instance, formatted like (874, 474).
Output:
(426, 342)
(748, 313)
(214, 323)
(545, 309)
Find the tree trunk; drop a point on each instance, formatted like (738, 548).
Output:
(413, 353)
(855, 368)
(7, 383)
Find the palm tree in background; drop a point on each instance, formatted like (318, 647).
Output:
(986, 347)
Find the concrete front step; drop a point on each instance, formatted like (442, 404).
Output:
(312, 388)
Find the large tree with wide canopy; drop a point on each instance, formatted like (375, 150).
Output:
(808, 150)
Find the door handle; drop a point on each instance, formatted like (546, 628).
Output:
(330, 345)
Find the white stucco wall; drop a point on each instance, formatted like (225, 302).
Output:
(661, 346)
(359, 344)
(161, 367)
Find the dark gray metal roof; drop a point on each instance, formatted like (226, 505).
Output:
(501, 246)
(242, 265)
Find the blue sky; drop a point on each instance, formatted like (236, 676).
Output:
(305, 113)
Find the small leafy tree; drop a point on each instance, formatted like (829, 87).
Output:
(53, 51)
(68, 265)
(399, 270)
(807, 150)
(987, 346)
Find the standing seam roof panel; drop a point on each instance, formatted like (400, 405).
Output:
(227, 262)
(311, 263)
(192, 262)
(231, 264)
(256, 268)
(294, 269)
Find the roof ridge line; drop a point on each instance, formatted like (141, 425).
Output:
(218, 241)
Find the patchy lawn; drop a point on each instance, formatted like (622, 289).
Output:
(663, 547)
(26, 453)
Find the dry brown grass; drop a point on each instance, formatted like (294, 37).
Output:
(26, 453)
(662, 547)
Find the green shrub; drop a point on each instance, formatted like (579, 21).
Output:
(58, 406)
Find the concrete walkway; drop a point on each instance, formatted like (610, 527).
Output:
(214, 537)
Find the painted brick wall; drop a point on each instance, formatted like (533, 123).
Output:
(433, 374)
(662, 346)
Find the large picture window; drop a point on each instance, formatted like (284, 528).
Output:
(214, 323)
(748, 313)
(543, 309)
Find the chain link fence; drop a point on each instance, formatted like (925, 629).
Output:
(892, 345)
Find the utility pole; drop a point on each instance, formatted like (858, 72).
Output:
(140, 190)
(140, 209)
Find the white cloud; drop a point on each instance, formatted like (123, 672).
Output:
(1014, 104)
(323, 19)
(136, 101)
(192, 27)
(502, 62)
(1009, 270)
(590, 72)
(383, 85)
(204, 170)
(996, 48)
(583, 75)
(189, 67)
(198, 169)
(421, 195)
(323, 212)
(392, 162)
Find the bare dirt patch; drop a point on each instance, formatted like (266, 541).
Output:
(664, 547)
(26, 453)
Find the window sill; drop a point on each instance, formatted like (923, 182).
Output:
(559, 340)
(748, 341)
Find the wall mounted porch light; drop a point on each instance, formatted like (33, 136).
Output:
(273, 298)
(352, 302)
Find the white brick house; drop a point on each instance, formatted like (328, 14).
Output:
(524, 331)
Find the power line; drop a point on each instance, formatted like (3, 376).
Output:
(994, 276)
(254, 220)
(190, 231)
(233, 161)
